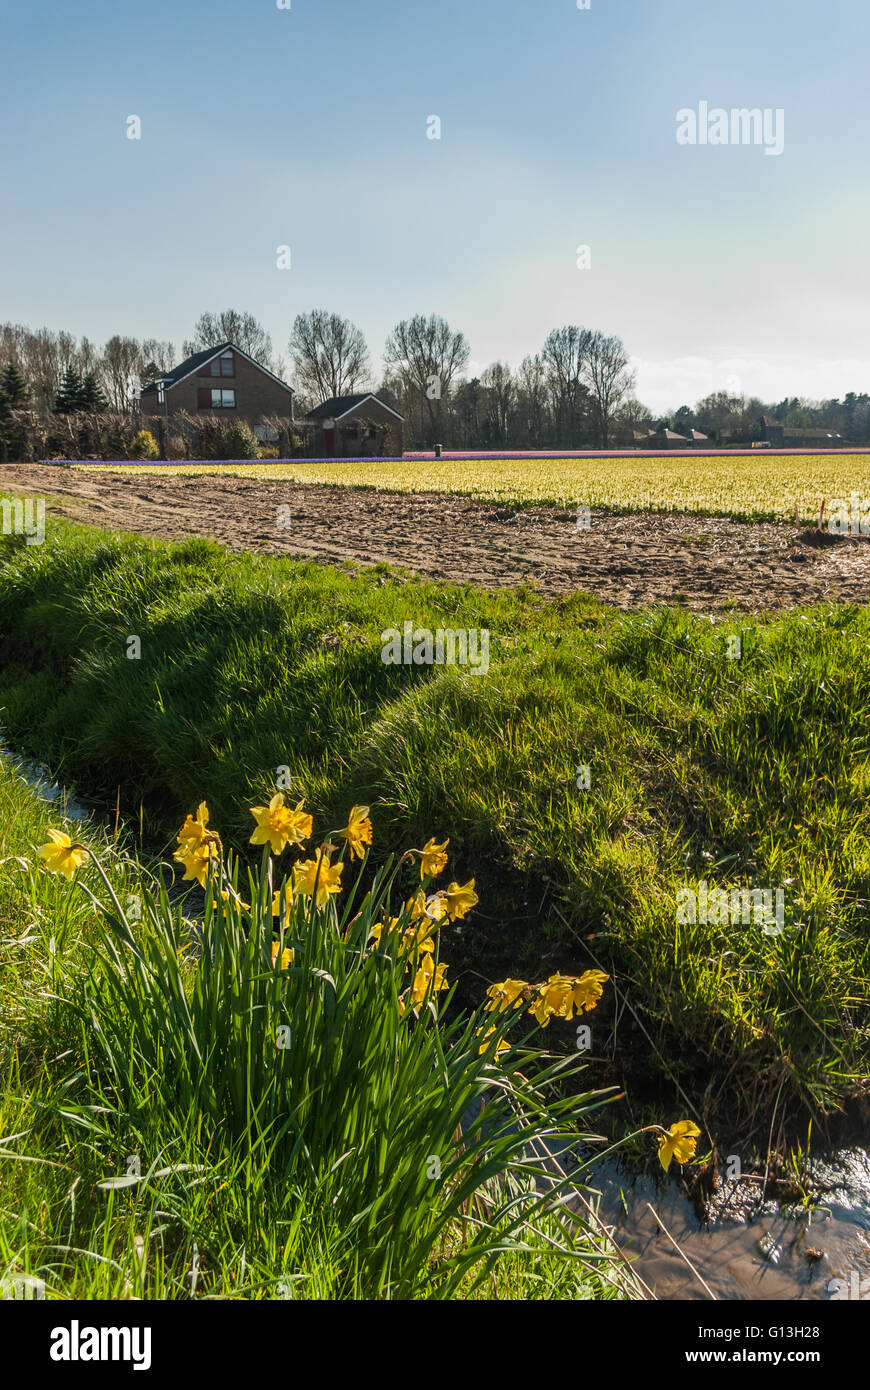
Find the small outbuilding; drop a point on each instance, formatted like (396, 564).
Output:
(360, 426)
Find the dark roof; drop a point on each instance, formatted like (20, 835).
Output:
(199, 359)
(340, 405)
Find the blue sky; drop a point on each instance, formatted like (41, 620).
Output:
(307, 127)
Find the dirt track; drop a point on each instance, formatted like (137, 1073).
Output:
(702, 562)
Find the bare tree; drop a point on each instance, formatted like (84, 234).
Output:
(231, 326)
(498, 384)
(565, 356)
(120, 366)
(426, 356)
(330, 356)
(607, 372)
(531, 407)
(156, 359)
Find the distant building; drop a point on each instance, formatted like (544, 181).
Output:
(220, 381)
(663, 438)
(360, 426)
(780, 436)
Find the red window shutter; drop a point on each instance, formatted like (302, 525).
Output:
(203, 398)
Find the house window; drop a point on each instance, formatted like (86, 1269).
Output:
(221, 398)
(223, 365)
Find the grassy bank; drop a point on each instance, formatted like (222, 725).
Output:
(115, 1184)
(747, 773)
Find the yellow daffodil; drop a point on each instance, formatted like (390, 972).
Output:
(286, 956)
(588, 989)
(288, 902)
(379, 928)
(434, 907)
(230, 895)
(680, 1143)
(503, 1046)
(459, 901)
(196, 859)
(420, 938)
(61, 854)
(429, 979)
(194, 830)
(433, 859)
(554, 999)
(319, 871)
(278, 826)
(358, 831)
(562, 994)
(509, 992)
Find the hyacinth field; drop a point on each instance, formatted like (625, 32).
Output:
(762, 486)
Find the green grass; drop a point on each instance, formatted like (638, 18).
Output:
(127, 1172)
(745, 773)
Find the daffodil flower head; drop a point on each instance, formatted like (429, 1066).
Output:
(358, 831)
(197, 859)
(508, 993)
(680, 1143)
(61, 854)
(502, 1046)
(279, 826)
(318, 876)
(433, 859)
(194, 830)
(286, 957)
(429, 980)
(287, 892)
(459, 900)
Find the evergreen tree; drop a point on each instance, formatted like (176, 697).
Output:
(13, 387)
(69, 397)
(14, 417)
(91, 396)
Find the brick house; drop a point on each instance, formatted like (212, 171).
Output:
(360, 426)
(220, 381)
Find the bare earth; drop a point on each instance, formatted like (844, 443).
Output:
(705, 563)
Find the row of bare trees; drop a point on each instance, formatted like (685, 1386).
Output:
(568, 394)
(576, 391)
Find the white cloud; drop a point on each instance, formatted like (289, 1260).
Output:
(666, 384)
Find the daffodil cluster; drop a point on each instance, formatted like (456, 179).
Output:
(557, 997)
(412, 936)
